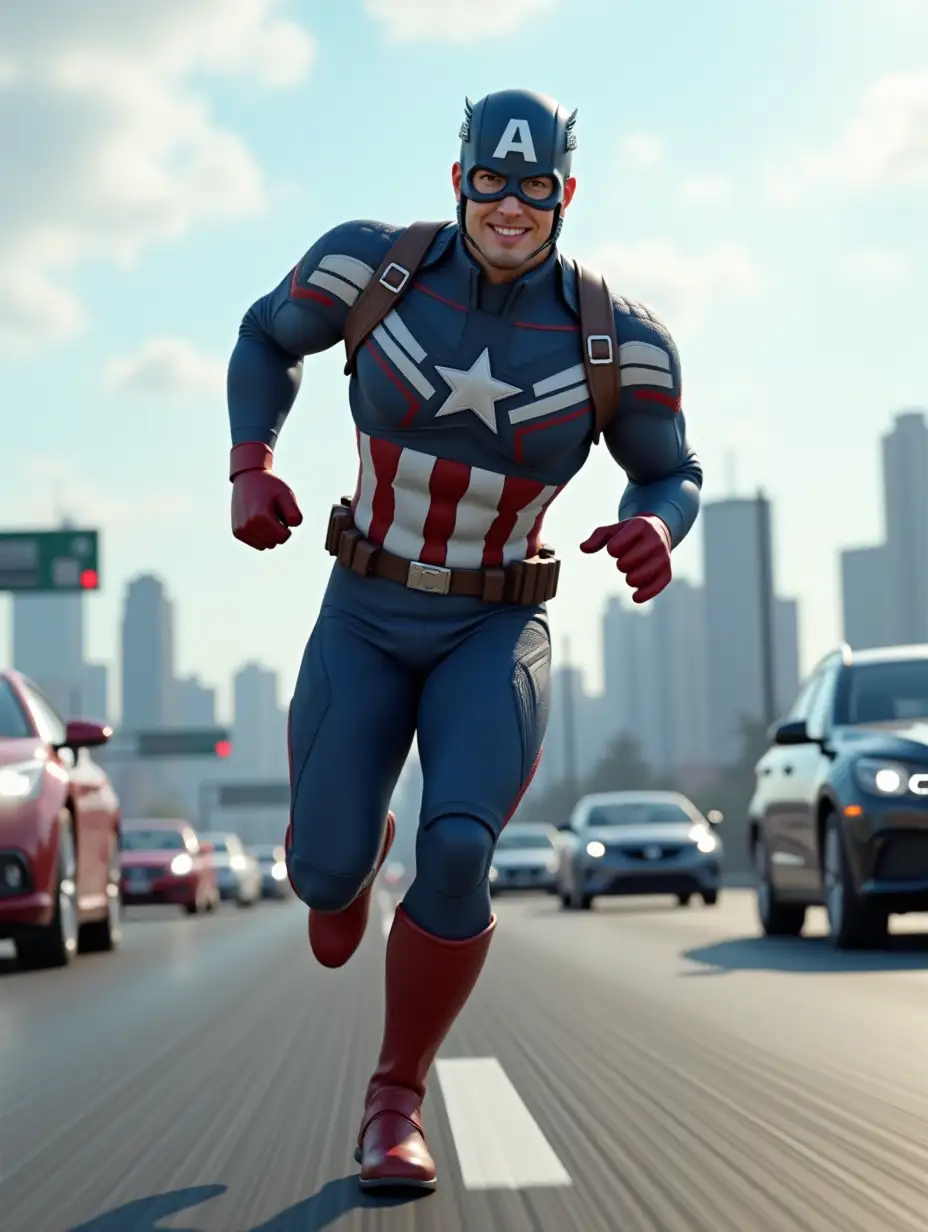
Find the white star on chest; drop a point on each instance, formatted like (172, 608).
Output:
(475, 390)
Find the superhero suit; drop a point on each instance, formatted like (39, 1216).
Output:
(472, 413)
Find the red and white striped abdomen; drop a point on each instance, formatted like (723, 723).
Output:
(445, 513)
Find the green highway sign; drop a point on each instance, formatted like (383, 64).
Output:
(49, 561)
(184, 742)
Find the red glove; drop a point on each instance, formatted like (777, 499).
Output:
(641, 547)
(263, 507)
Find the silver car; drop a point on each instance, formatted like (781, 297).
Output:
(525, 859)
(238, 874)
(638, 842)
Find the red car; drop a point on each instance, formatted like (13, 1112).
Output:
(59, 831)
(163, 862)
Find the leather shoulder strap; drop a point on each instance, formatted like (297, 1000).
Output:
(600, 348)
(388, 285)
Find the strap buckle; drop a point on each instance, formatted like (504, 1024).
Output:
(433, 579)
(599, 358)
(394, 286)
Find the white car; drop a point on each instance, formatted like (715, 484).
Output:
(525, 859)
(238, 873)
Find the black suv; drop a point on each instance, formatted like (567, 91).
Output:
(839, 815)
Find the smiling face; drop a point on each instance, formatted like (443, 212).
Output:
(507, 231)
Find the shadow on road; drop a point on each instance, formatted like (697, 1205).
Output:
(334, 1200)
(146, 1214)
(610, 906)
(807, 956)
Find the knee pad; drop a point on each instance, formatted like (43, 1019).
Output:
(454, 855)
(320, 889)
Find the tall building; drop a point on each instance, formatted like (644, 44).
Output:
(740, 616)
(195, 703)
(148, 689)
(259, 742)
(48, 647)
(148, 694)
(678, 651)
(867, 607)
(631, 703)
(785, 653)
(905, 494)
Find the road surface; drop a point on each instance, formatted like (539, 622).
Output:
(637, 1068)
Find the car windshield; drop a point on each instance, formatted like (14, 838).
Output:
(637, 813)
(13, 724)
(153, 840)
(513, 840)
(885, 692)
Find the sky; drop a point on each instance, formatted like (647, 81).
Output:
(758, 173)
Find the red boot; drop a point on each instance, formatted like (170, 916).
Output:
(428, 982)
(335, 935)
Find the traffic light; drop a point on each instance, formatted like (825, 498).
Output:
(184, 742)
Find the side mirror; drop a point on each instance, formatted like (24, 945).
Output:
(792, 732)
(565, 827)
(714, 817)
(80, 734)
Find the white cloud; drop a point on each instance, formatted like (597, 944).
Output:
(641, 150)
(875, 266)
(168, 369)
(107, 148)
(884, 145)
(50, 486)
(682, 288)
(454, 21)
(706, 189)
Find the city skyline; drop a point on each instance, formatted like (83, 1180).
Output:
(767, 236)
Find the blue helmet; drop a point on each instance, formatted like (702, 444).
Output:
(519, 135)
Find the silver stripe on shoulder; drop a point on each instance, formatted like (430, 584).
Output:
(570, 376)
(344, 290)
(402, 361)
(646, 376)
(357, 272)
(644, 353)
(397, 327)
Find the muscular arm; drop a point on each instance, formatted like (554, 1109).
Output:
(648, 436)
(304, 315)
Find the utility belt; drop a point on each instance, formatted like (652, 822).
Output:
(524, 581)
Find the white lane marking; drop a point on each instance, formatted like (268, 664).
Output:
(499, 1145)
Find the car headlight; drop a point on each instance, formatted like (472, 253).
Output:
(181, 865)
(279, 871)
(705, 840)
(595, 849)
(494, 874)
(21, 781)
(887, 778)
(239, 863)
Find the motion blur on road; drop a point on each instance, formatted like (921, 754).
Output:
(634, 1067)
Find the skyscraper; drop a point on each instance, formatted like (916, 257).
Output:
(48, 646)
(148, 692)
(679, 669)
(867, 608)
(259, 747)
(785, 653)
(905, 494)
(740, 615)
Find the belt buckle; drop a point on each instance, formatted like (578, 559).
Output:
(434, 579)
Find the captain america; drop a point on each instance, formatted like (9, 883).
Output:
(476, 396)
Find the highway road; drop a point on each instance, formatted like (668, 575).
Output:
(637, 1068)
